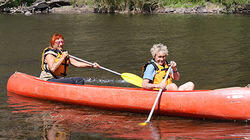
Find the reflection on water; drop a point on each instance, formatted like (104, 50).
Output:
(55, 120)
(210, 50)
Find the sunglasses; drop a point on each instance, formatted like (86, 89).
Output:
(59, 42)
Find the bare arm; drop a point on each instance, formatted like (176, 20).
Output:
(147, 85)
(51, 62)
(78, 63)
(82, 64)
(176, 74)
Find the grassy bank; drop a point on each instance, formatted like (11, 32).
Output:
(143, 5)
(151, 5)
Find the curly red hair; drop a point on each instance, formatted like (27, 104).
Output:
(54, 38)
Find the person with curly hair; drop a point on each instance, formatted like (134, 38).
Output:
(156, 70)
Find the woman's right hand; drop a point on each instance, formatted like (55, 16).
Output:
(162, 85)
(65, 54)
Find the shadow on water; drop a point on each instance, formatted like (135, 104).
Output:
(51, 120)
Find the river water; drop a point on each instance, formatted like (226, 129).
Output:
(210, 50)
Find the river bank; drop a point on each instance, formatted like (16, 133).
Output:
(67, 7)
(208, 8)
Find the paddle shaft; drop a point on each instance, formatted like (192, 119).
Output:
(79, 59)
(157, 98)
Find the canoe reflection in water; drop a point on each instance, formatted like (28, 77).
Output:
(53, 127)
(62, 121)
(59, 121)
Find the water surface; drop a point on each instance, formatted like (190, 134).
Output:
(210, 50)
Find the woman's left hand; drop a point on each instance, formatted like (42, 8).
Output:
(173, 64)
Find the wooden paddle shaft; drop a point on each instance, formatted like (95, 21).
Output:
(79, 59)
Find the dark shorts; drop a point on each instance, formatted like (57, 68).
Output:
(71, 80)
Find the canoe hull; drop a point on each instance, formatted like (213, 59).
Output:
(228, 103)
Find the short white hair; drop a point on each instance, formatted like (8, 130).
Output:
(158, 48)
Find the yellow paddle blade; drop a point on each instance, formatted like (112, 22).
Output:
(143, 124)
(132, 78)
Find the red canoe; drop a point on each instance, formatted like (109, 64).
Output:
(227, 103)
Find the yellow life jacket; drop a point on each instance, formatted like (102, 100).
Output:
(161, 72)
(62, 70)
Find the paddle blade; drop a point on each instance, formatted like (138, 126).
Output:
(132, 78)
(143, 124)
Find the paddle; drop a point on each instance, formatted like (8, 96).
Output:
(156, 100)
(129, 77)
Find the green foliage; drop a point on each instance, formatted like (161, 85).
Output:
(181, 2)
(140, 5)
(231, 2)
(131, 5)
(231, 5)
(16, 3)
(80, 3)
(149, 5)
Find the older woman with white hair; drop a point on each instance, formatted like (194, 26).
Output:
(157, 68)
